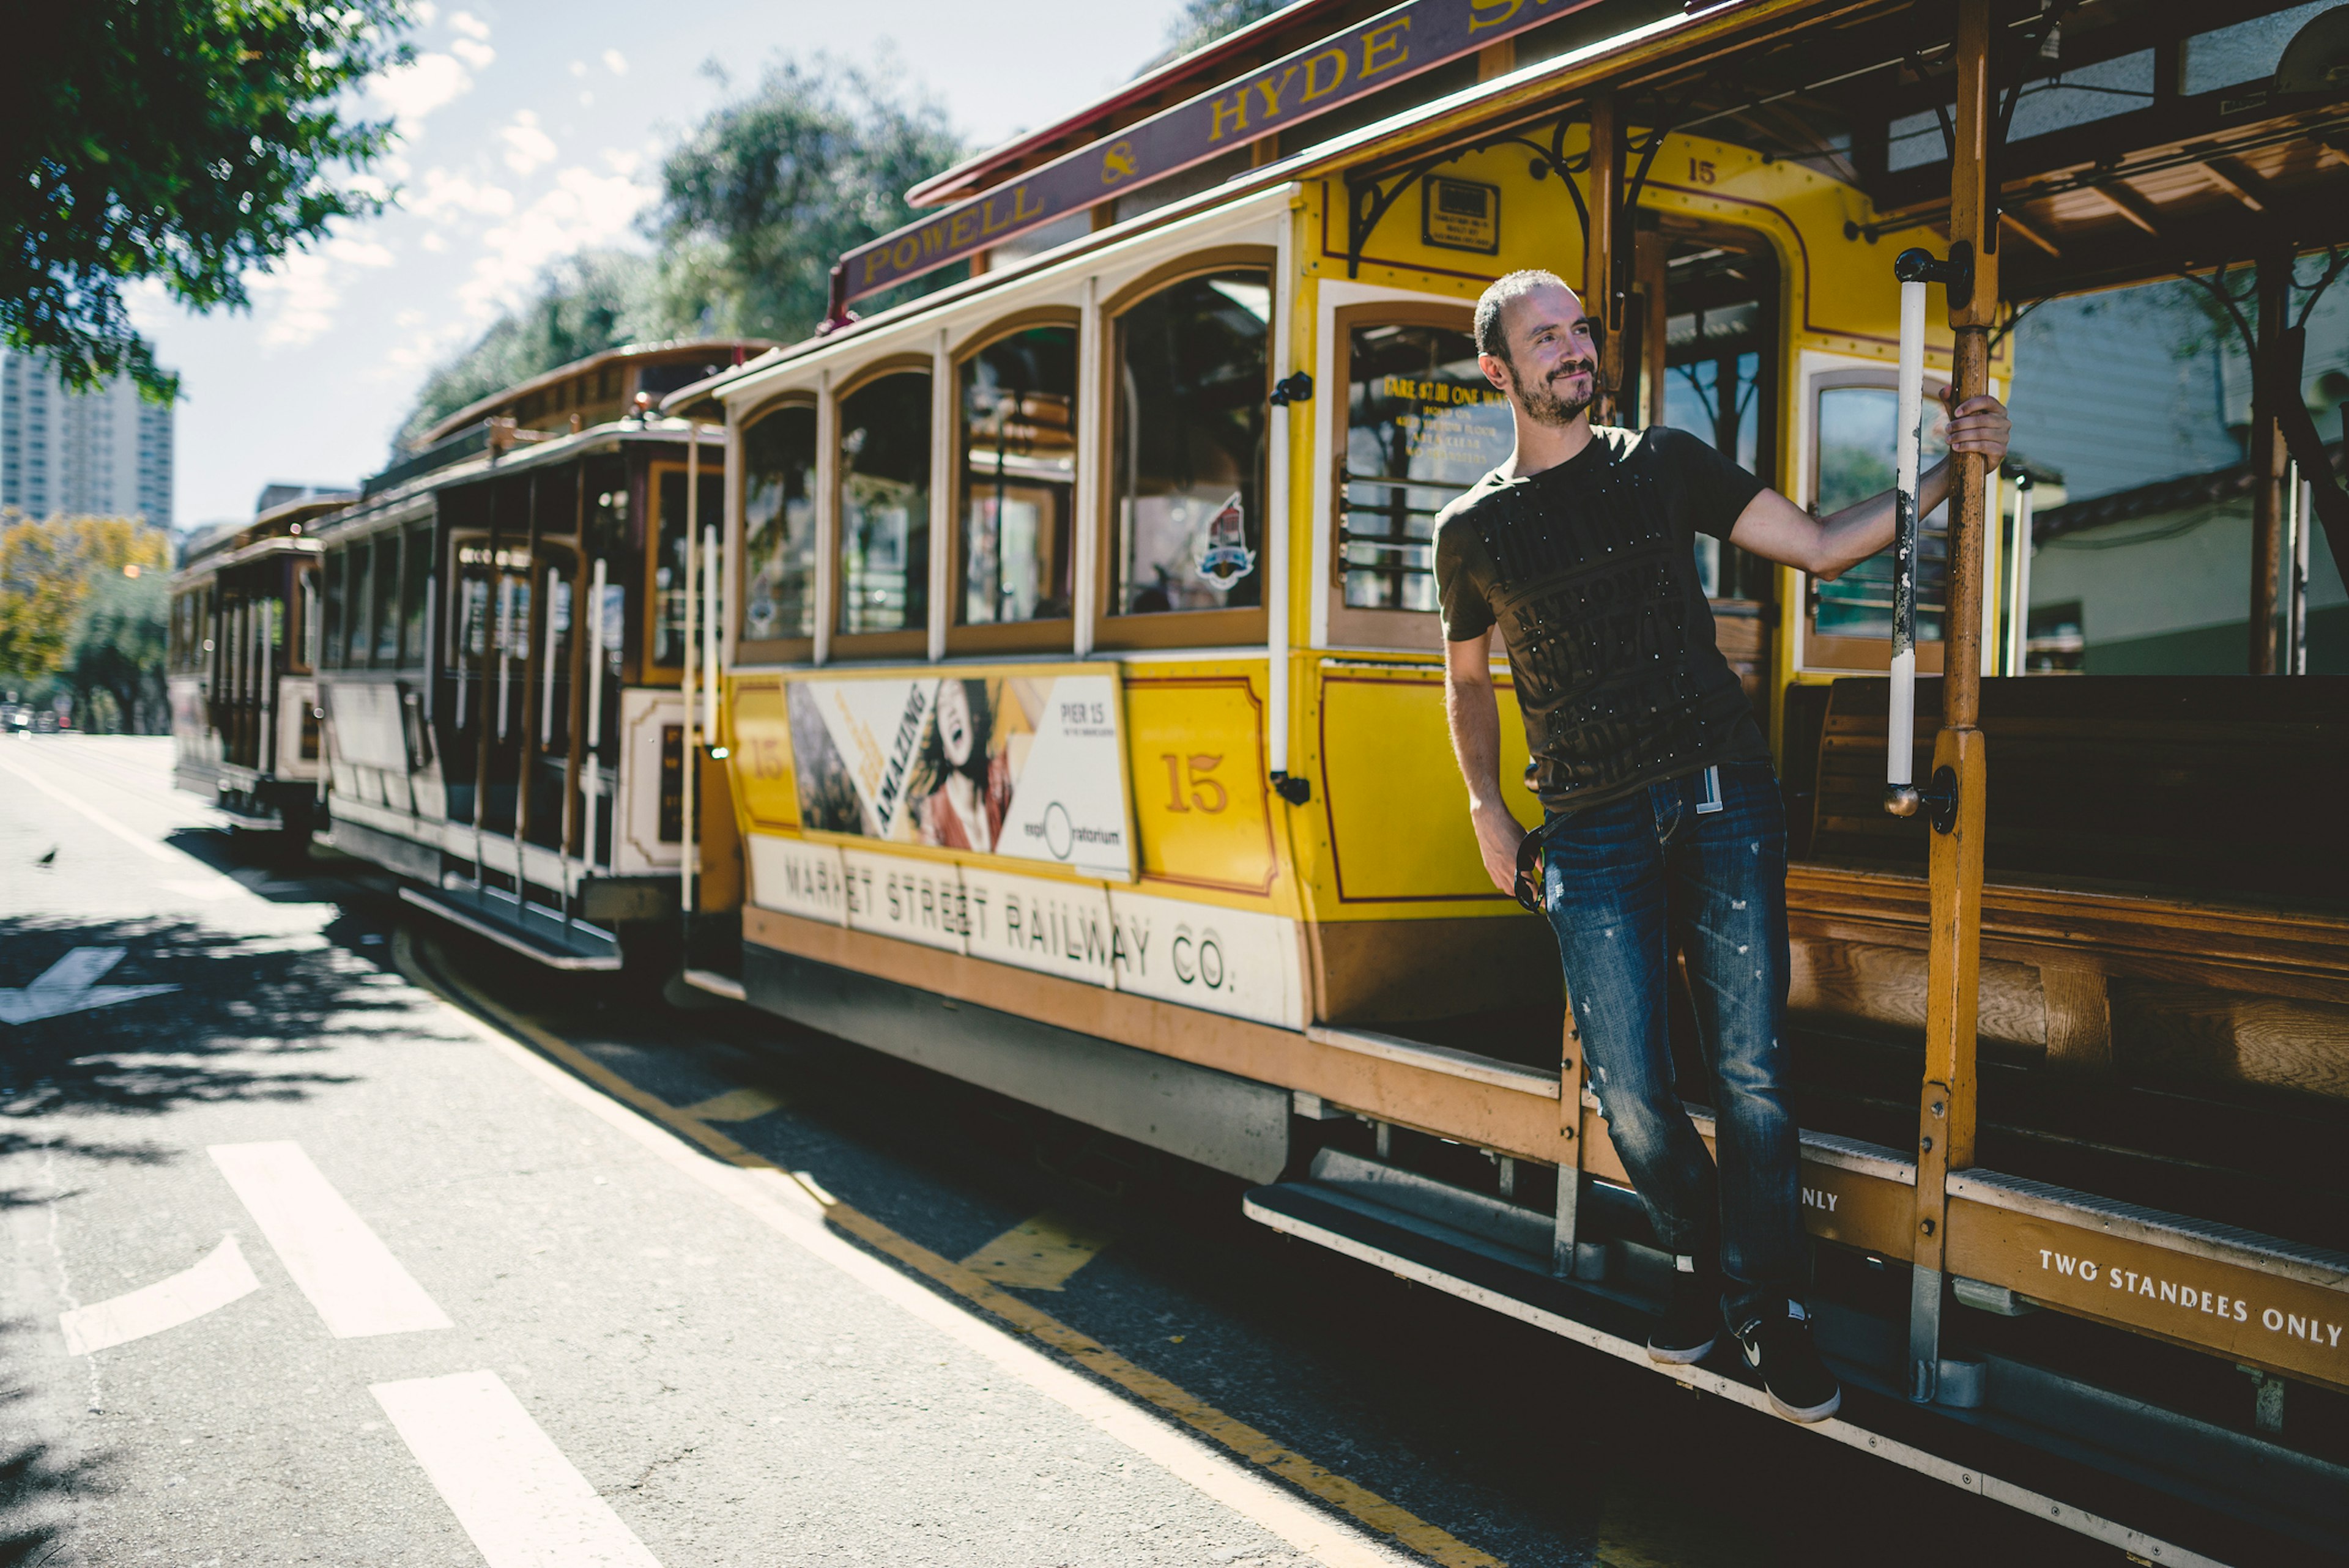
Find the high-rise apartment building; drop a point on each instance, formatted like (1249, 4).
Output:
(105, 453)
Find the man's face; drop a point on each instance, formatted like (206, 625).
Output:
(1552, 369)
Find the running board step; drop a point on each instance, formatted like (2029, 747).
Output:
(523, 928)
(1974, 1451)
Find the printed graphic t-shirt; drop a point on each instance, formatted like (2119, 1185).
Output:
(1589, 569)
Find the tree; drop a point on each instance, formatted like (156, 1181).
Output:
(118, 647)
(755, 205)
(183, 140)
(47, 568)
(1198, 23)
(772, 189)
(593, 301)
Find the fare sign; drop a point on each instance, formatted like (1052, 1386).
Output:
(1398, 43)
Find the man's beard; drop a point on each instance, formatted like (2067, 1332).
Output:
(1545, 406)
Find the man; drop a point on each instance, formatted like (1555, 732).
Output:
(1663, 826)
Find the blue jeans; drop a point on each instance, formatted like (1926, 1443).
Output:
(1625, 884)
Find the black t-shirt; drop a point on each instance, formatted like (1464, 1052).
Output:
(1589, 569)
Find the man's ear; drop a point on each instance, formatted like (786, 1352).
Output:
(1496, 371)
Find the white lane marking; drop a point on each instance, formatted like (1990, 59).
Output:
(144, 844)
(344, 1269)
(521, 1501)
(223, 1277)
(70, 986)
(782, 1204)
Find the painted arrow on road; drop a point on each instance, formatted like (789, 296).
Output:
(70, 986)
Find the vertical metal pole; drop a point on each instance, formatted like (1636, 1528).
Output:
(481, 742)
(690, 747)
(2303, 504)
(525, 756)
(2274, 295)
(1598, 298)
(573, 712)
(1901, 725)
(2018, 644)
(1946, 1109)
(712, 566)
(594, 794)
(1279, 518)
(432, 640)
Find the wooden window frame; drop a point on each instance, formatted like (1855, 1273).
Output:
(1057, 636)
(1853, 656)
(1411, 631)
(773, 650)
(912, 641)
(1173, 628)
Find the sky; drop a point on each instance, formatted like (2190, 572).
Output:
(527, 132)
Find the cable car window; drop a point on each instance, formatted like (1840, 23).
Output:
(1020, 474)
(778, 525)
(885, 505)
(384, 612)
(1854, 460)
(670, 586)
(417, 561)
(1188, 454)
(1422, 425)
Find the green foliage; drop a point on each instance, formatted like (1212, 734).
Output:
(1198, 23)
(771, 190)
(183, 140)
(118, 644)
(48, 568)
(594, 301)
(755, 205)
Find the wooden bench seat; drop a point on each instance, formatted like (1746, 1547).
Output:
(2164, 1007)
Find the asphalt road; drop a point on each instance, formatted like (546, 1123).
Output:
(333, 1236)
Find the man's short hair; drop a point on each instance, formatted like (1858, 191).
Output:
(1504, 291)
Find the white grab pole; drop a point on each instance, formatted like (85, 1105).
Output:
(1900, 727)
(594, 788)
(690, 762)
(546, 668)
(711, 603)
(2303, 501)
(2020, 644)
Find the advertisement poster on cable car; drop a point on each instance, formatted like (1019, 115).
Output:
(1028, 767)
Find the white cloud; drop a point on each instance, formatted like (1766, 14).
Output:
(615, 62)
(411, 91)
(584, 209)
(445, 195)
(433, 243)
(465, 22)
(426, 13)
(527, 147)
(476, 54)
(578, 67)
(302, 292)
(586, 100)
(620, 161)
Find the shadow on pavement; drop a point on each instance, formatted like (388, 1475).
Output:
(39, 1485)
(248, 1015)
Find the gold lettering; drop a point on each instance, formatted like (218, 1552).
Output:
(1021, 209)
(1272, 94)
(905, 252)
(1481, 12)
(872, 264)
(988, 224)
(1314, 86)
(1233, 112)
(934, 238)
(965, 229)
(1381, 40)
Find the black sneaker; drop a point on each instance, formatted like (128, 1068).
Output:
(1691, 1320)
(1779, 1348)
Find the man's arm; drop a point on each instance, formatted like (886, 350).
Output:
(1475, 715)
(1777, 529)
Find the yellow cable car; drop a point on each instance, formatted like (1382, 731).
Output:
(1074, 724)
